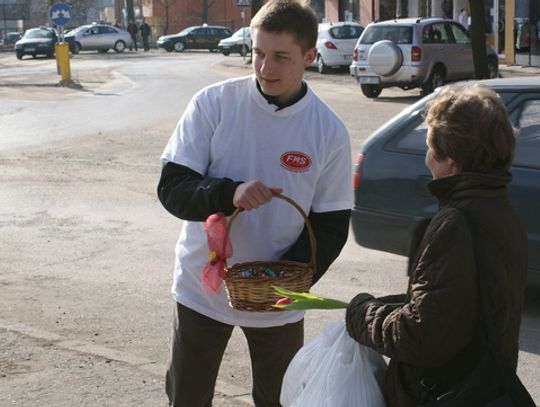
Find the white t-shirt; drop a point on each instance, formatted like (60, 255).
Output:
(230, 130)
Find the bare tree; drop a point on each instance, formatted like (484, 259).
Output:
(166, 5)
(478, 38)
(202, 12)
(255, 6)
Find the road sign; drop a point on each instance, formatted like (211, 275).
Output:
(60, 14)
(243, 3)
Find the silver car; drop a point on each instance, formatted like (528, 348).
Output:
(239, 42)
(335, 44)
(414, 52)
(100, 37)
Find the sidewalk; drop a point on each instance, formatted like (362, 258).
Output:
(508, 71)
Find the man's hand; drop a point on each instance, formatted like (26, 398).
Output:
(252, 194)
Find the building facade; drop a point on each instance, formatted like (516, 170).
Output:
(512, 26)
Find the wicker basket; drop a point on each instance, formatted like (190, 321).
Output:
(249, 285)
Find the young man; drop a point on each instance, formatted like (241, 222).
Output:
(237, 143)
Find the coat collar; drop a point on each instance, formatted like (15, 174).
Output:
(469, 185)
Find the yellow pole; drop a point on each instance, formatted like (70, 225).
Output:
(62, 59)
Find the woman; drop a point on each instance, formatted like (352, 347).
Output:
(432, 340)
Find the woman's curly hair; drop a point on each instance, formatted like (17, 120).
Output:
(470, 125)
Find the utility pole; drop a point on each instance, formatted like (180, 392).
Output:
(478, 39)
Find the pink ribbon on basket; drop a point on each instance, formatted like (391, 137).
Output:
(220, 249)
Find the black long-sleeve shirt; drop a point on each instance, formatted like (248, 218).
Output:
(189, 195)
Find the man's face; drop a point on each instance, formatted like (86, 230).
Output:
(279, 63)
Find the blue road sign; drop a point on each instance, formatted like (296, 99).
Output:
(60, 14)
(243, 3)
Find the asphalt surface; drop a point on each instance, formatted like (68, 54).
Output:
(13, 74)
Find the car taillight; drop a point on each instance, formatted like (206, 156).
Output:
(416, 54)
(355, 55)
(357, 172)
(329, 45)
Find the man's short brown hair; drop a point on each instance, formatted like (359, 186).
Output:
(470, 125)
(290, 16)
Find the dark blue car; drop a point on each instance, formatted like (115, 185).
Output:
(392, 201)
(36, 41)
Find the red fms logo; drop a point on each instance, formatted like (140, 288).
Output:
(295, 161)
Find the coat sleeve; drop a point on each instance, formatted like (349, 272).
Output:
(330, 230)
(439, 315)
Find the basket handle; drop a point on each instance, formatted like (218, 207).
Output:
(312, 241)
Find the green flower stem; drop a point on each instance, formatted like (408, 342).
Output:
(305, 301)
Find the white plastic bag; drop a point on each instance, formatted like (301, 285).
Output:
(333, 370)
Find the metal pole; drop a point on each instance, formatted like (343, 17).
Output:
(243, 36)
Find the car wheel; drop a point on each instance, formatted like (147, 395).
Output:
(435, 80)
(371, 91)
(493, 67)
(385, 58)
(19, 55)
(244, 51)
(179, 46)
(226, 53)
(119, 46)
(321, 66)
(76, 48)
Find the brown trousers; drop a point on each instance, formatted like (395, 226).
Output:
(197, 348)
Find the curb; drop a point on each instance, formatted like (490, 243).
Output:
(239, 394)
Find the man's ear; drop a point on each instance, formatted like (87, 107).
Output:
(309, 57)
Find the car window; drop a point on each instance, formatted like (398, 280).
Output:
(461, 36)
(398, 34)
(435, 34)
(106, 30)
(197, 32)
(238, 34)
(93, 30)
(345, 32)
(38, 34)
(412, 139)
(528, 141)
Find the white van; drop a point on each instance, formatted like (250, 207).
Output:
(239, 42)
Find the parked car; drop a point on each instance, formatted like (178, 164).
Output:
(36, 41)
(335, 45)
(391, 199)
(98, 37)
(415, 52)
(239, 42)
(10, 39)
(196, 37)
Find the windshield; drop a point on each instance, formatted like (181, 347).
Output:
(186, 30)
(78, 30)
(240, 33)
(346, 32)
(398, 34)
(37, 33)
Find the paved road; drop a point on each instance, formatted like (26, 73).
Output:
(86, 249)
